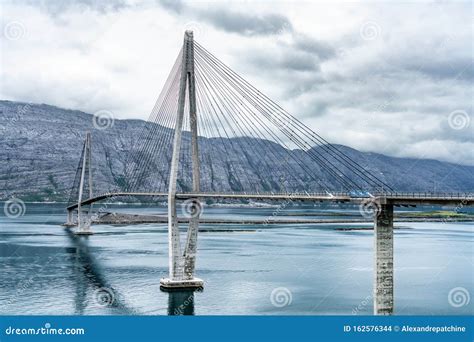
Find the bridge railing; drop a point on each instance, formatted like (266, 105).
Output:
(289, 195)
(430, 195)
(402, 194)
(272, 193)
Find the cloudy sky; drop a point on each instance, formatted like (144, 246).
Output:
(393, 77)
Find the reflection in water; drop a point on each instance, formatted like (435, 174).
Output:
(81, 286)
(181, 303)
(88, 273)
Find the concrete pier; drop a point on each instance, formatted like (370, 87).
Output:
(167, 284)
(84, 223)
(383, 236)
(70, 219)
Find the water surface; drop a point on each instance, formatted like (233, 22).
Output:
(310, 269)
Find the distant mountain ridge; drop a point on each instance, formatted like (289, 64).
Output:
(40, 146)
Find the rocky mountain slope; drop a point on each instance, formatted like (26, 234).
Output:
(40, 146)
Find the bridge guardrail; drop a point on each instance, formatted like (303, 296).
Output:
(312, 194)
(453, 195)
(461, 196)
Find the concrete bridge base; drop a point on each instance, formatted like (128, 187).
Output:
(70, 220)
(167, 284)
(84, 232)
(84, 222)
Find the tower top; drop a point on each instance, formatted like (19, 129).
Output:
(188, 34)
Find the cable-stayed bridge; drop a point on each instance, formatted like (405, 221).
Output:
(212, 135)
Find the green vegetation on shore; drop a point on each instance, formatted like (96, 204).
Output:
(435, 214)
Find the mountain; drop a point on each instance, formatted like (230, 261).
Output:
(40, 147)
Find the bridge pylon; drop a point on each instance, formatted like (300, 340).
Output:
(83, 216)
(182, 264)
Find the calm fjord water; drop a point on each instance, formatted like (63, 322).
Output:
(260, 270)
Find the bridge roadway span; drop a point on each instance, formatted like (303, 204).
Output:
(397, 199)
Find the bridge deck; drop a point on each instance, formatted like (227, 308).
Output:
(399, 198)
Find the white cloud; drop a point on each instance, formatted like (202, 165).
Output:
(391, 94)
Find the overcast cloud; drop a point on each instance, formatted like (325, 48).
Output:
(394, 78)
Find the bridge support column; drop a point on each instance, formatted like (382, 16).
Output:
(181, 266)
(84, 222)
(383, 285)
(196, 207)
(70, 219)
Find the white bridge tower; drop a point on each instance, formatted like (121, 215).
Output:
(182, 264)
